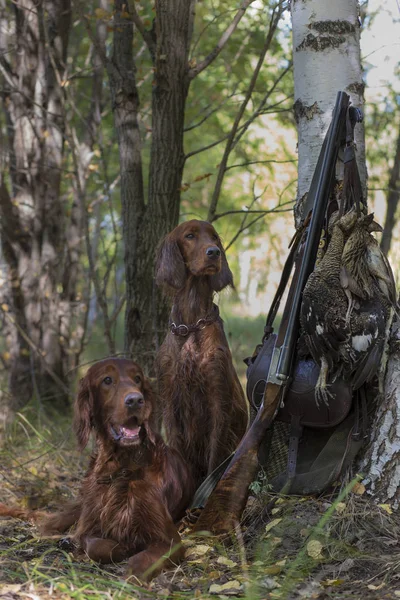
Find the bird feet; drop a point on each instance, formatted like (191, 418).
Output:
(321, 387)
(322, 394)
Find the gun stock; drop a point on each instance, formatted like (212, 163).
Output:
(228, 500)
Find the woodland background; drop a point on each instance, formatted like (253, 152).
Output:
(70, 215)
(81, 216)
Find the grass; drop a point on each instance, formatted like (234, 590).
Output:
(338, 546)
(280, 562)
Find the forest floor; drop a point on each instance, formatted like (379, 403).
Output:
(337, 546)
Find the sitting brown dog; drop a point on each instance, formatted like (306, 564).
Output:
(205, 412)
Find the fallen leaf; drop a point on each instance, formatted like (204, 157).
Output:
(273, 570)
(397, 593)
(272, 524)
(329, 582)
(232, 588)
(281, 563)
(314, 549)
(376, 587)
(386, 507)
(11, 588)
(197, 551)
(227, 562)
(359, 489)
(269, 584)
(340, 507)
(275, 510)
(275, 541)
(214, 574)
(346, 565)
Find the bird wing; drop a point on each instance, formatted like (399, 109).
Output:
(381, 271)
(367, 340)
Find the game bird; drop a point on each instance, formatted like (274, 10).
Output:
(346, 304)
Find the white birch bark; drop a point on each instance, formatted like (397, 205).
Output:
(326, 59)
(381, 463)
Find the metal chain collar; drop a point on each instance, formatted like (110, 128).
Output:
(184, 330)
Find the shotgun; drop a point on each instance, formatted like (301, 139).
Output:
(226, 503)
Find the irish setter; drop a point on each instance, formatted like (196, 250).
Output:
(205, 413)
(136, 487)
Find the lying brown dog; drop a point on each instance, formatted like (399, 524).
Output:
(136, 487)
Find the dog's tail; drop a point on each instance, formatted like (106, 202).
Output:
(49, 524)
(21, 513)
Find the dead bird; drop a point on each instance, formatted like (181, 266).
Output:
(344, 337)
(366, 271)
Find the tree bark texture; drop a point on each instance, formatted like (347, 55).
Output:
(41, 230)
(382, 459)
(33, 220)
(326, 59)
(146, 223)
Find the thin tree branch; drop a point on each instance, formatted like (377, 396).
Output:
(204, 148)
(209, 23)
(257, 162)
(276, 209)
(145, 33)
(275, 17)
(259, 110)
(211, 112)
(222, 42)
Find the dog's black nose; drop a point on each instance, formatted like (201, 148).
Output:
(134, 400)
(213, 252)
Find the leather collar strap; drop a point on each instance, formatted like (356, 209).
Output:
(184, 330)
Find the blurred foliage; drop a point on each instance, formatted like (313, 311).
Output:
(214, 99)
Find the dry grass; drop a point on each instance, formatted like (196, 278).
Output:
(337, 546)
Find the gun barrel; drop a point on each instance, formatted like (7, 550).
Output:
(319, 189)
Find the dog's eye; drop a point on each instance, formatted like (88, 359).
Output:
(215, 237)
(137, 379)
(189, 236)
(107, 380)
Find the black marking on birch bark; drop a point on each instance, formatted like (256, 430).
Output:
(302, 111)
(332, 27)
(357, 87)
(321, 42)
(298, 210)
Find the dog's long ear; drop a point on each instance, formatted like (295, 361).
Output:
(170, 267)
(224, 278)
(83, 412)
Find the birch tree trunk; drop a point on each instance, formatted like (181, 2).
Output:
(40, 229)
(326, 58)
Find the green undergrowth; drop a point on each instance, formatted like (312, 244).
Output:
(341, 545)
(337, 546)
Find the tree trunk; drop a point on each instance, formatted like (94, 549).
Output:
(33, 232)
(144, 225)
(42, 243)
(393, 196)
(326, 59)
(381, 463)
